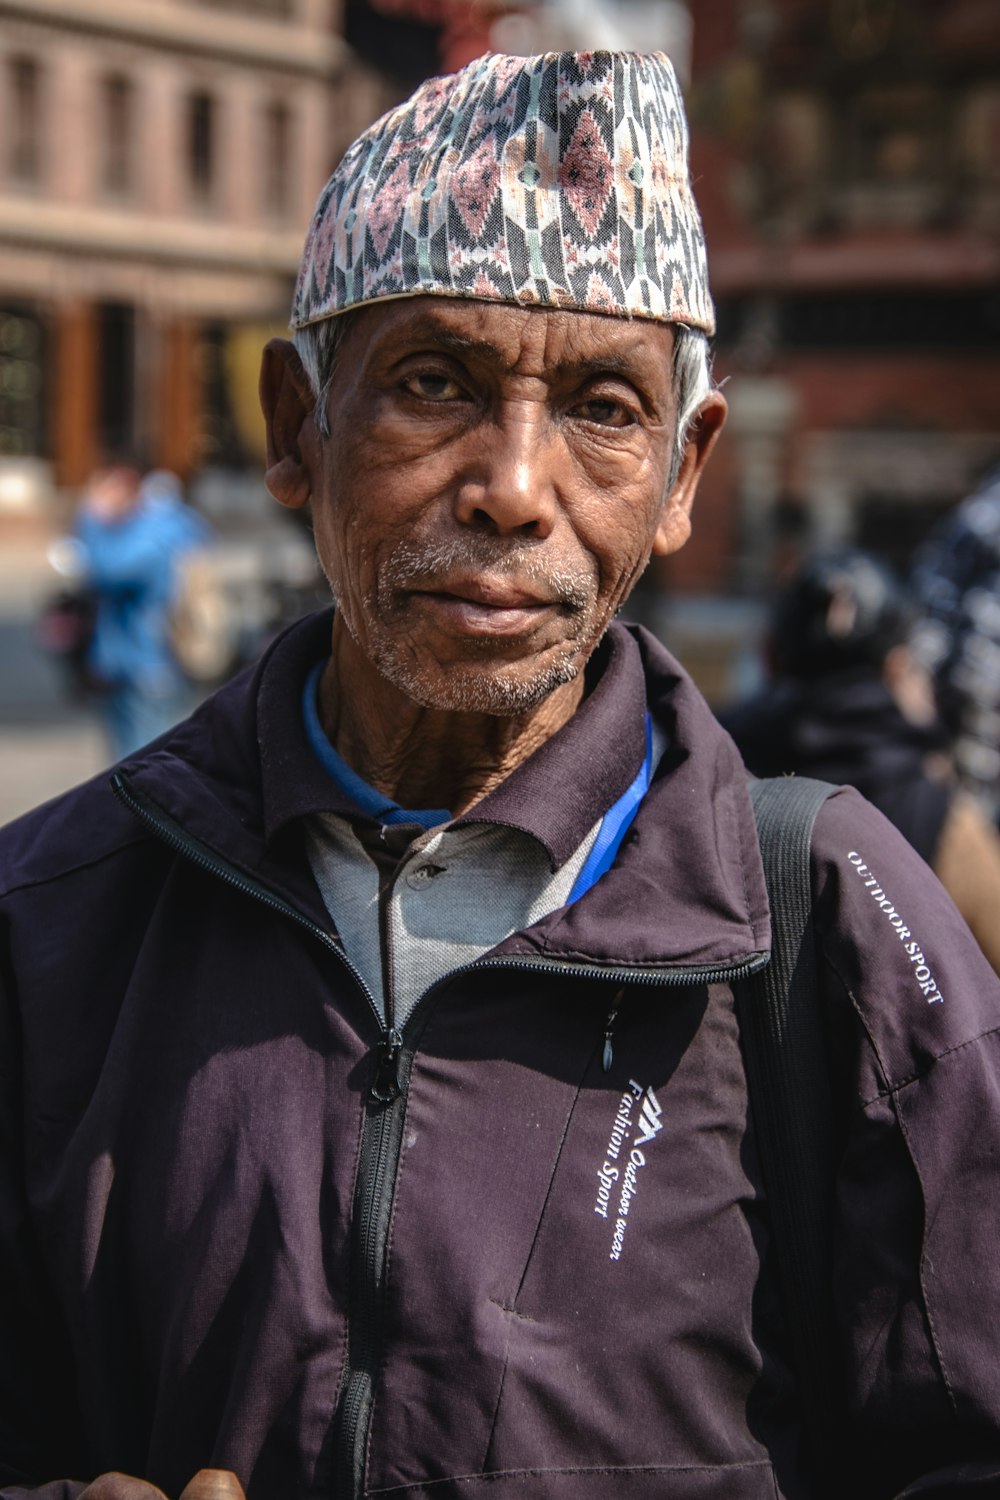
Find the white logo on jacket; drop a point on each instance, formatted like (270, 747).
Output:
(618, 1176)
(926, 982)
(649, 1116)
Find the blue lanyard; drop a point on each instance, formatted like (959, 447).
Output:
(615, 825)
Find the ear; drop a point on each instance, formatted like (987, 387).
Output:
(287, 402)
(675, 521)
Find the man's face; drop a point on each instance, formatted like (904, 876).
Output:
(492, 486)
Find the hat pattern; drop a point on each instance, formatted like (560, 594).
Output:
(555, 181)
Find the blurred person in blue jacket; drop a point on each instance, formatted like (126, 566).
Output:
(132, 533)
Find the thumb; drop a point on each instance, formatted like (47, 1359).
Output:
(213, 1484)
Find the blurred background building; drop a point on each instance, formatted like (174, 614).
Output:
(158, 164)
(846, 155)
(160, 159)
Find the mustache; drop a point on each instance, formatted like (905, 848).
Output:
(428, 565)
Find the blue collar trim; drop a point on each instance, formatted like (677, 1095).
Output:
(367, 800)
(615, 825)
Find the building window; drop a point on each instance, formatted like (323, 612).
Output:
(220, 445)
(201, 145)
(892, 157)
(277, 158)
(25, 156)
(116, 376)
(22, 383)
(117, 129)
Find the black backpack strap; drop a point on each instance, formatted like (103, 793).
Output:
(781, 1030)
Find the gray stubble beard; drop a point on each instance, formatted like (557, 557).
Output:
(503, 693)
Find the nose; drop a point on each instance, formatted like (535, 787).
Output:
(509, 486)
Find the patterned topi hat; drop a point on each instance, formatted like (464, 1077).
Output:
(556, 181)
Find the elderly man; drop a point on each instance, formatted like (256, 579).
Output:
(375, 1119)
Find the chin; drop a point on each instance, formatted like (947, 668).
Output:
(504, 691)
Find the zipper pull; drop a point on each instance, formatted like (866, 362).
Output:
(608, 1056)
(385, 1085)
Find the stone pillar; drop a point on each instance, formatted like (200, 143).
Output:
(318, 138)
(177, 447)
(74, 122)
(240, 105)
(75, 393)
(162, 142)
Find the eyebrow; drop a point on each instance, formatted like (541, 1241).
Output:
(462, 344)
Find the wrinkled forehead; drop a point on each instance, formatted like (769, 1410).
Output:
(541, 341)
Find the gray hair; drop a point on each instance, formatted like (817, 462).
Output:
(318, 345)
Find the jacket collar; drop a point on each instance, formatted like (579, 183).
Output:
(560, 791)
(687, 889)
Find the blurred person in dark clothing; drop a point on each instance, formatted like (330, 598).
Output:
(851, 703)
(956, 582)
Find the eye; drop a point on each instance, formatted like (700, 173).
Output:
(433, 385)
(605, 411)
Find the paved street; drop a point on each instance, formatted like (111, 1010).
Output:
(46, 742)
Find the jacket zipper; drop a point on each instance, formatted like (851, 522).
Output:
(378, 1158)
(382, 1133)
(381, 1139)
(378, 1164)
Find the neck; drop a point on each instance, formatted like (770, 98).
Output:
(427, 757)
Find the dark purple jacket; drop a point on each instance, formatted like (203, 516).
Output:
(523, 1274)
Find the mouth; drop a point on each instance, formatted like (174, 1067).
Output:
(485, 606)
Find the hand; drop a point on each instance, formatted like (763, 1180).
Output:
(207, 1484)
(213, 1484)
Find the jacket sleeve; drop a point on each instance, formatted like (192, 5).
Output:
(37, 1412)
(915, 1015)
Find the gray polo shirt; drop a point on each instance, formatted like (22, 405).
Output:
(413, 903)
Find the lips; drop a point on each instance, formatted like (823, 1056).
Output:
(483, 606)
(491, 593)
